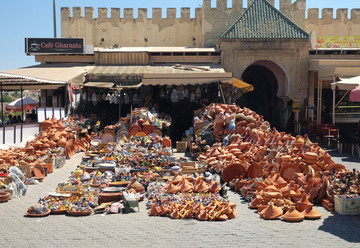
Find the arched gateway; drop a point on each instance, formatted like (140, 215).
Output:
(270, 83)
(266, 49)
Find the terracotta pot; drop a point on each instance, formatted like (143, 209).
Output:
(4, 196)
(271, 212)
(154, 211)
(311, 213)
(172, 189)
(293, 215)
(29, 149)
(303, 203)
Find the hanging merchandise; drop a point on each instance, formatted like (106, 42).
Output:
(174, 96)
(99, 97)
(162, 93)
(113, 99)
(94, 98)
(136, 99)
(127, 98)
(108, 97)
(186, 93)
(181, 92)
(84, 96)
(192, 97)
(198, 93)
(103, 96)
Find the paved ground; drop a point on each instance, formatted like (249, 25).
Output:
(139, 230)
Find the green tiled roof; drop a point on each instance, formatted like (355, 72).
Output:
(261, 20)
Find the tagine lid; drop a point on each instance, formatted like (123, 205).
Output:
(271, 212)
(311, 213)
(293, 215)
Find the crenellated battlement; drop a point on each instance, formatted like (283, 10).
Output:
(328, 13)
(327, 25)
(204, 29)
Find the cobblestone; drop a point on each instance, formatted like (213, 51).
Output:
(139, 230)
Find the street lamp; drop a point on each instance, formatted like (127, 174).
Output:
(54, 15)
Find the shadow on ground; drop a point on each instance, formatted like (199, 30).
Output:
(346, 227)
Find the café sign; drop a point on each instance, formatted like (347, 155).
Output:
(54, 45)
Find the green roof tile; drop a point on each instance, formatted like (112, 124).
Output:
(261, 20)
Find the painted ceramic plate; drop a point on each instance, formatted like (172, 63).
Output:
(95, 142)
(166, 142)
(106, 138)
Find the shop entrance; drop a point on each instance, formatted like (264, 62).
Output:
(268, 80)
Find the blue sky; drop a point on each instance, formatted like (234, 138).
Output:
(34, 18)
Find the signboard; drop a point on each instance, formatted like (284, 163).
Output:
(54, 45)
(296, 106)
(337, 41)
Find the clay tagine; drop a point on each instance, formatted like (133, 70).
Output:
(293, 215)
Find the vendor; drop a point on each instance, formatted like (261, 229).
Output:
(32, 117)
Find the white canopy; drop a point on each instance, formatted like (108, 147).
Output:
(346, 84)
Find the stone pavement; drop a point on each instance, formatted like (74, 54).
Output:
(139, 230)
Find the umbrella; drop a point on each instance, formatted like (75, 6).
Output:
(355, 94)
(27, 103)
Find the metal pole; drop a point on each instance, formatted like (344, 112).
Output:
(333, 110)
(22, 113)
(22, 103)
(2, 113)
(54, 15)
(2, 106)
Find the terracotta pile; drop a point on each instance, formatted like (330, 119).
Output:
(55, 137)
(188, 185)
(188, 197)
(273, 193)
(189, 209)
(250, 149)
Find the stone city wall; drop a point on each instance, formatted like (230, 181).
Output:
(204, 30)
